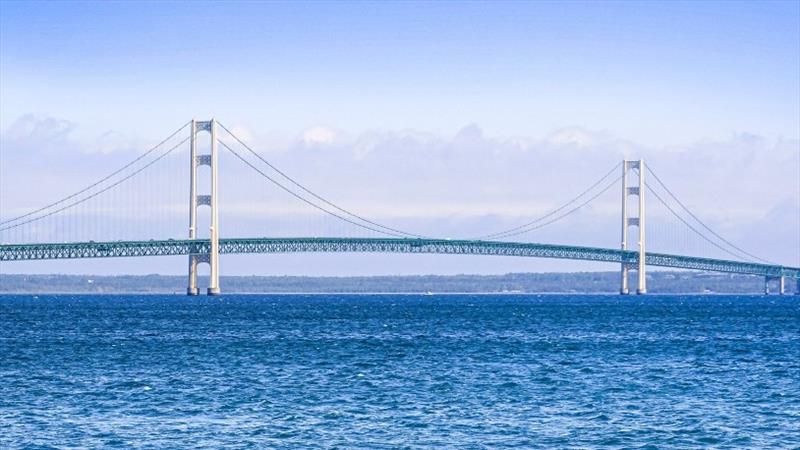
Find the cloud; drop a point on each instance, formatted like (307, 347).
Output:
(575, 136)
(113, 141)
(37, 135)
(421, 170)
(34, 131)
(318, 136)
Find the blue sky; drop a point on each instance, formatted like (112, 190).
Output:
(664, 73)
(685, 83)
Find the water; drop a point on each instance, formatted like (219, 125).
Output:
(399, 371)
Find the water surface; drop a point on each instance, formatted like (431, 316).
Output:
(394, 371)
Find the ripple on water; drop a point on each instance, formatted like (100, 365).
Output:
(399, 371)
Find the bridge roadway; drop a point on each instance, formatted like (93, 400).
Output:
(74, 250)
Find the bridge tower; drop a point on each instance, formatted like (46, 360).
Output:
(211, 255)
(638, 221)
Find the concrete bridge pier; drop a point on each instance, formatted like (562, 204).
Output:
(781, 284)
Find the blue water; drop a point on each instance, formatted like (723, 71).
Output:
(392, 371)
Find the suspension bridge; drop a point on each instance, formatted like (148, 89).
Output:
(90, 222)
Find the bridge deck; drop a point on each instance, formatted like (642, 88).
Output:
(27, 252)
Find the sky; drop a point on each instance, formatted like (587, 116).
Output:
(446, 117)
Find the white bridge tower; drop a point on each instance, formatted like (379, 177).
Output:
(211, 257)
(637, 221)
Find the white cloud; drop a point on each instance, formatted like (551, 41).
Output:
(318, 136)
(36, 135)
(31, 131)
(575, 136)
(33, 127)
(114, 141)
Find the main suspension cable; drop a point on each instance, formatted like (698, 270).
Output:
(313, 194)
(675, 213)
(139, 158)
(551, 213)
(303, 199)
(95, 194)
(685, 208)
(556, 219)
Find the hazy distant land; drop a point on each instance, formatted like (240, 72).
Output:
(580, 282)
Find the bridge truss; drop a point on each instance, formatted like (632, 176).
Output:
(172, 247)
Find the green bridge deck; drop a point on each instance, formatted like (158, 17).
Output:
(74, 250)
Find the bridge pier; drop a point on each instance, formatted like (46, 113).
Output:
(192, 289)
(623, 290)
(781, 285)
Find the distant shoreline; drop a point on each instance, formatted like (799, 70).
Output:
(596, 283)
(408, 294)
